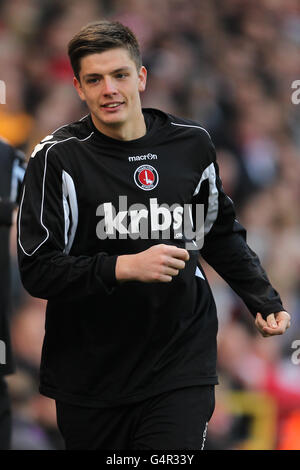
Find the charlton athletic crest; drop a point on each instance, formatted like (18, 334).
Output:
(146, 177)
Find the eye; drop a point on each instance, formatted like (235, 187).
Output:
(121, 75)
(92, 80)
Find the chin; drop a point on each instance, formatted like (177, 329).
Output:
(113, 120)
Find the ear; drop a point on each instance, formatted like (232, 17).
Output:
(142, 78)
(77, 85)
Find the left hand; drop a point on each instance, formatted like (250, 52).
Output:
(275, 324)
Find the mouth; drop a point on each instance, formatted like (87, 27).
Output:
(112, 106)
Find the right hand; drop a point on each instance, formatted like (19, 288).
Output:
(157, 264)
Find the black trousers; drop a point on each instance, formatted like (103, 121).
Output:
(5, 416)
(172, 420)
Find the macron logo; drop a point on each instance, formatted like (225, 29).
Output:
(137, 158)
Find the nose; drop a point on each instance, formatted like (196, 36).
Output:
(108, 86)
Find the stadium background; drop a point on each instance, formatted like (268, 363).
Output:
(228, 64)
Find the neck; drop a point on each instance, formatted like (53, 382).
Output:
(124, 131)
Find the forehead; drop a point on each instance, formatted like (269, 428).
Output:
(105, 62)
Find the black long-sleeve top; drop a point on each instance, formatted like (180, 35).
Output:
(107, 342)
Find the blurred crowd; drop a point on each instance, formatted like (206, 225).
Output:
(230, 65)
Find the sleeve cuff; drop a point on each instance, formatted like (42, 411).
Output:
(271, 309)
(108, 272)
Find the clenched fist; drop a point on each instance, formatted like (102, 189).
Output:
(157, 264)
(275, 324)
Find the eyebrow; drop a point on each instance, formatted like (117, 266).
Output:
(121, 69)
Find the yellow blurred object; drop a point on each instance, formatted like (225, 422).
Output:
(262, 410)
(15, 127)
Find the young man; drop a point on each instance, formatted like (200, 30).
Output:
(12, 169)
(129, 352)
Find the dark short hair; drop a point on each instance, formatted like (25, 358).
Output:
(100, 36)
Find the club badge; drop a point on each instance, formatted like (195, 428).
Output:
(146, 177)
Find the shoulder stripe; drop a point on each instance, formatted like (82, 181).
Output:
(213, 198)
(188, 125)
(43, 196)
(70, 207)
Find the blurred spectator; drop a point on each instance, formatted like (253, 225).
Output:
(11, 176)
